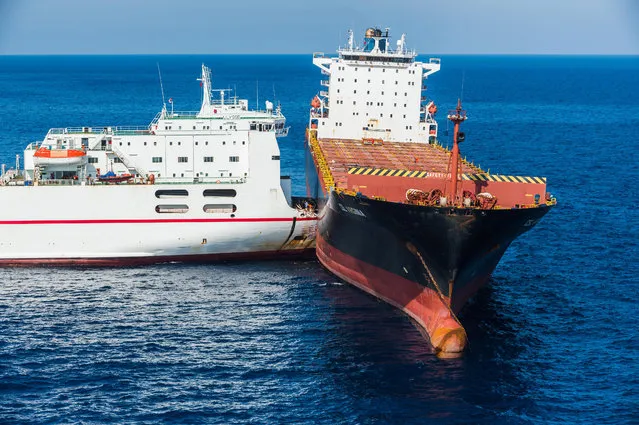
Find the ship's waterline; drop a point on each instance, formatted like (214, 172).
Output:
(190, 186)
(401, 217)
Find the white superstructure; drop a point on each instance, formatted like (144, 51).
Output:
(189, 185)
(374, 91)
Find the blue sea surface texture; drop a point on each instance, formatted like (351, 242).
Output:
(552, 339)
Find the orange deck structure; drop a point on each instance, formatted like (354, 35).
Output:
(342, 155)
(389, 169)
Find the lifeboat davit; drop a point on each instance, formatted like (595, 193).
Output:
(46, 156)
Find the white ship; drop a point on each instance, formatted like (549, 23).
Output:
(190, 186)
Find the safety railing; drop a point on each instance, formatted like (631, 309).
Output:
(327, 176)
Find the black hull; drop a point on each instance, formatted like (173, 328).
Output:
(426, 261)
(451, 251)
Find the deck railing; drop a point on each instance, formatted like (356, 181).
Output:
(327, 176)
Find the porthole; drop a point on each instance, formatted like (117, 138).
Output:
(219, 208)
(172, 209)
(171, 193)
(230, 193)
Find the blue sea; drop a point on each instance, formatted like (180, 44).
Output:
(553, 338)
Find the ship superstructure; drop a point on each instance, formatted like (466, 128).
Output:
(402, 217)
(375, 91)
(189, 186)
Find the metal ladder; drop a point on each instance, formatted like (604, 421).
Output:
(128, 163)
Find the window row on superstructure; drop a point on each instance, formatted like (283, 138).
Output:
(369, 92)
(160, 159)
(410, 83)
(379, 59)
(342, 68)
(228, 126)
(179, 143)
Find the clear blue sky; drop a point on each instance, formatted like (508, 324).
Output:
(302, 26)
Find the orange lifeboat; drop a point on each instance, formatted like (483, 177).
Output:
(47, 156)
(315, 103)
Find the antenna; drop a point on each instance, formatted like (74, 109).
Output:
(161, 86)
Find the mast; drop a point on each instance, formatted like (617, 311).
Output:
(205, 82)
(456, 117)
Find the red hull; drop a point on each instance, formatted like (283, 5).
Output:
(424, 305)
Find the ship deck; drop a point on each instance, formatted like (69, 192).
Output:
(344, 154)
(389, 170)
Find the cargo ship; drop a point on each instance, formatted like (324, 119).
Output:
(400, 216)
(189, 186)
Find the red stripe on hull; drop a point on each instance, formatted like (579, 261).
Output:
(421, 303)
(153, 220)
(307, 253)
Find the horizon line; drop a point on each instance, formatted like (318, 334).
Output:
(311, 53)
